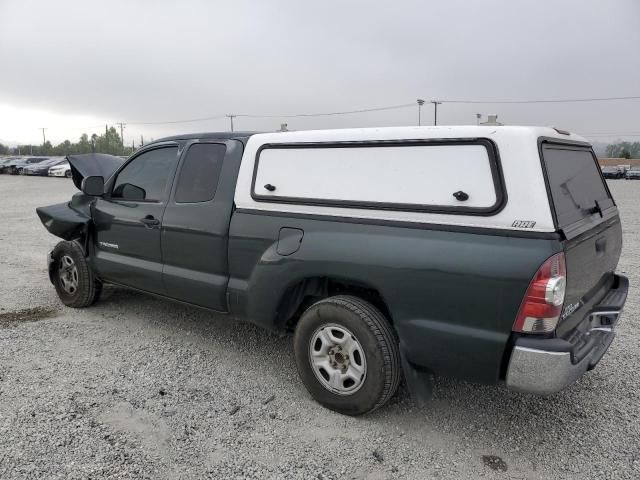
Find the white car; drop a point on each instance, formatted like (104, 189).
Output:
(62, 170)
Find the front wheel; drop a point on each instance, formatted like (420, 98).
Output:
(347, 355)
(72, 276)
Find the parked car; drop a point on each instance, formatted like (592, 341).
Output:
(4, 163)
(612, 172)
(15, 167)
(42, 168)
(633, 174)
(498, 268)
(8, 166)
(63, 169)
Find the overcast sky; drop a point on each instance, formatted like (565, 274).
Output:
(72, 65)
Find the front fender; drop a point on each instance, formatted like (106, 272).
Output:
(63, 221)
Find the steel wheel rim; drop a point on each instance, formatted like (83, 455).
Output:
(337, 359)
(68, 274)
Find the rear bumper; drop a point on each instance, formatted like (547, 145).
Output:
(545, 366)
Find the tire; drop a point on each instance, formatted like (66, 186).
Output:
(375, 355)
(72, 276)
(67, 174)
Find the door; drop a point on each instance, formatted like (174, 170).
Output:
(127, 221)
(195, 226)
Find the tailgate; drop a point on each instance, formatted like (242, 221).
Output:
(586, 214)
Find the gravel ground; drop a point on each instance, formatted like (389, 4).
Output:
(136, 387)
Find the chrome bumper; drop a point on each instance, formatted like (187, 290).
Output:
(545, 366)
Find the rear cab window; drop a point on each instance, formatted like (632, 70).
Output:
(575, 183)
(200, 173)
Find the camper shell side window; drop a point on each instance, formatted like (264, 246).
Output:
(459, 176)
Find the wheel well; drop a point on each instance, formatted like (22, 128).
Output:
(300, 296)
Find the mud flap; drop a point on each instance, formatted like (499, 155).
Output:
(419, 383)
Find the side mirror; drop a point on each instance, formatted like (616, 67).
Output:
(93, 186)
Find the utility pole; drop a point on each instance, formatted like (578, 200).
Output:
(122, 124)
(420, 103)
(141, 140)
(44, 140)
(435, 111)
(231, 117)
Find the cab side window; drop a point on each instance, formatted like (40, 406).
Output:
(146, 177)
(200, 173)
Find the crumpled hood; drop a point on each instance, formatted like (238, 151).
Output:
(92, 164)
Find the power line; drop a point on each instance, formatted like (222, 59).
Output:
(610, 135)
(192, 120)
(274, 115)
(327, 114)
(557, 100)
(377, 109)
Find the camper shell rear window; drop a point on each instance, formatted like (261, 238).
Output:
(575, 182)
(460, 176)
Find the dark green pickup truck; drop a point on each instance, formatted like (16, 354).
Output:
(481, 253)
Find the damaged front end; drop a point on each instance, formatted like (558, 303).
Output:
(71, 220)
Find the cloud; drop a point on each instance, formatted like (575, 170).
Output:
(164, 60)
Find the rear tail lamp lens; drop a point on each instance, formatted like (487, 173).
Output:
(542, 304)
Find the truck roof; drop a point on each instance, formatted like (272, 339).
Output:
(428, 132)
(241, 136)
(407, 132)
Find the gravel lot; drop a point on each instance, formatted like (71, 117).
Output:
(136, 387)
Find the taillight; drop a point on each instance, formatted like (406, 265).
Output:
(542, 304)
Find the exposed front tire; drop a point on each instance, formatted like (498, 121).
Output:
(72, 276)
(347, 355)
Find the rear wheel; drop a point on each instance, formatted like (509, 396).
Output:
(347, 355)
(72, 276)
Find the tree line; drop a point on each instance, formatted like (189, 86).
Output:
(109, 142)
(623, 150)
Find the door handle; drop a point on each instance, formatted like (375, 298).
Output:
(150, 221)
